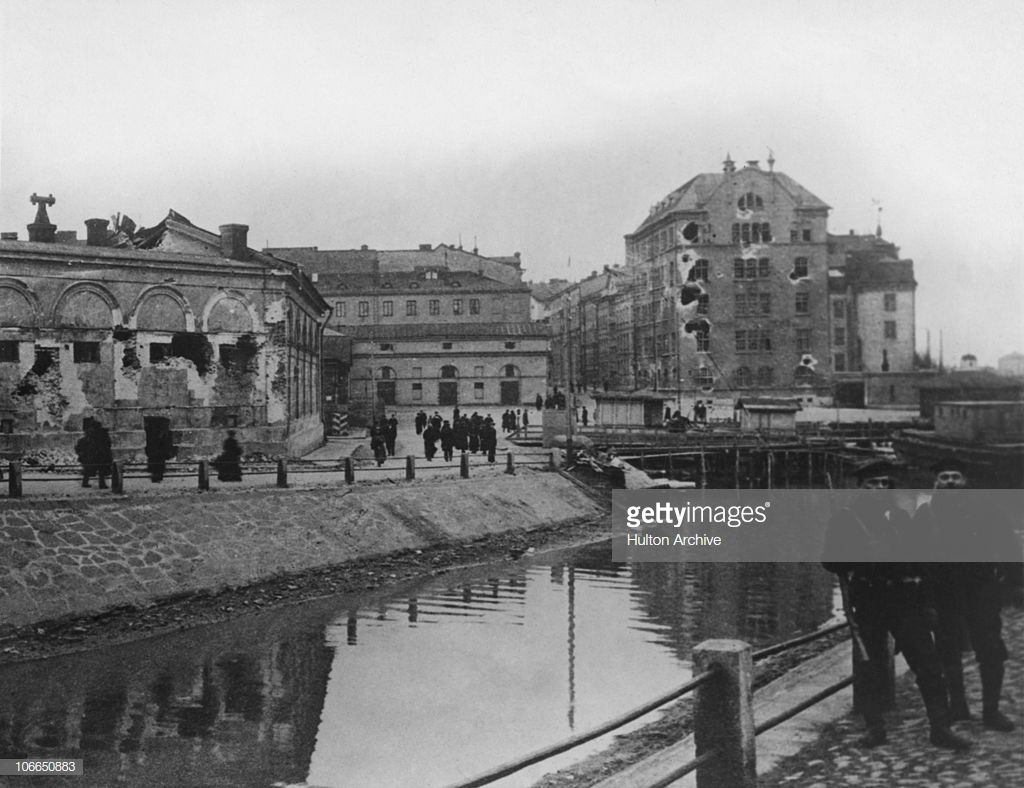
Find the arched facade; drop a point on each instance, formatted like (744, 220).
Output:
(86, 305)
(162, 308)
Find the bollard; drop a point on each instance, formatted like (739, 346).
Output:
(204, 475)
(510, 467)
(723, 718)
(570, 455)
(410, 467)
(554, 462)
(117, 477)
(350, 471)
(14, 479)
(464, 465)
(282, 472)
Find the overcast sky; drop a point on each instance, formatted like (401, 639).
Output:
(548, 128)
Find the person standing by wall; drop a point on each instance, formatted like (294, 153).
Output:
(229, 463)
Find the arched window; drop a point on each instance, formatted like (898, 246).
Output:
(448, 371)
(803, 376)
(743, 377)
(386, 373)
(510, 371)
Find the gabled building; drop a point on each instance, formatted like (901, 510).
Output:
(731, 287)
(170, 327)
(430, 327)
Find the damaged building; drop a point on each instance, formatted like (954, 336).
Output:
(733, 287)
(168, 327)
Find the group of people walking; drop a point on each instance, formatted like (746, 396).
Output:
(928, 607)
(512, 420)
(473, 433)
(383, 437)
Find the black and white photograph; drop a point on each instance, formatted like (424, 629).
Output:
(528, 394)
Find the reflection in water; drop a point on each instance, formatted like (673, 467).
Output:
(440, 681)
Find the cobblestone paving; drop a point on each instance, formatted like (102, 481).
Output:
(996, 760)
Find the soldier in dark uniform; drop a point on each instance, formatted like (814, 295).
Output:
(968, 595)
(887, 598)
(391, 434)
(447, 441)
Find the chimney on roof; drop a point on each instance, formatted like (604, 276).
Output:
(851, 231)
(234, 241)
(364, 248)
(96, 232)
(41, 230)
(425, 247)
(753, 164)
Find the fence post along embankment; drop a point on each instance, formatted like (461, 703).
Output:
(724, 715)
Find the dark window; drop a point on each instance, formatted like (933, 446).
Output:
(478, 390)
(803, 303)
(364, 309)
(704, 377)
(228, 355)
(339, 309)
(742, 376)
(764, 303)
(449, 371)
(700, 271)
(410, 309)
(457, 306)
(158, 351)
(387, 373)
(87, 352)
(703, 342)
(703, 303)
(839, 362)
(803, 375)
(803, 340)
(386, 346)
(839, 336)
(751, 269)
(741, 341)
(800, 267)
(764, 268)
(8, 351)
(510, 346)
(446, 346)
(6, 426)
(766, 232)
(890, 329)
(511, 371)
(745, 233)
(735, 233)
(738, 268)
(435, 306)
(388, 308)
(890, 302)
(838, 309)
(794, 236)
(474, 306)
(807, 236)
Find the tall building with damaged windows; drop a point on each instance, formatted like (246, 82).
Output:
(731, 287)
(145, 330)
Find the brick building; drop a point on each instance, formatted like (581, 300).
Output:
(167, 327)
(429, 327)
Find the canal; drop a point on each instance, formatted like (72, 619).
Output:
(420, 686)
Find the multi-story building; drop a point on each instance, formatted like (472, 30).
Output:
(731, 286)
(167, 328)
(430, 327)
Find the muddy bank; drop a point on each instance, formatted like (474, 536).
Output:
(70, 559)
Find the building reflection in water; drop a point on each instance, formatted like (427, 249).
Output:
(305, 693)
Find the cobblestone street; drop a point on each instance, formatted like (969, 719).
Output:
(995, 760)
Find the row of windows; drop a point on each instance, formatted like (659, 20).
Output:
(390, 346)
(748, 233)
(748, 304)
(82, 352)
(387, 308)
(447, 372)
(751, 269)
(752, 340)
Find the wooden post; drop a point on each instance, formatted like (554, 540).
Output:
(703, 467)
(350, 471)
(410, 467)
(770, 463)
(671, 466)
(14, 479)
(282, 472)
(785, 467)
(810, 469)
(510, 467)
(736, 466)
(464, 466)
(204, 475)
(723, 718)
(117, 477)
(554, 461)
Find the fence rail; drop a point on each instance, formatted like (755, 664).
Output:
(347, 469)
(724, 697)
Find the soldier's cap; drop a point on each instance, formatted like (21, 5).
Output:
(948, 464)
(875, 467)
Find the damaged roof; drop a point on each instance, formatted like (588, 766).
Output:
(452, 331)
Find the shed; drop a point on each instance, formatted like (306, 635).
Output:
(642, 408)
(767, 415)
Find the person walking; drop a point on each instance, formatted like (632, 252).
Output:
(87, 448)
(229, 463)
(886, 598)
(447, 441)
(378, 446)
(391, 435)
(158, 451)
(586, 416)
(430, 436)
(968, 595)
(526, 421)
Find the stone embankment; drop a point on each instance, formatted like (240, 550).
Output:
(75, 557)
